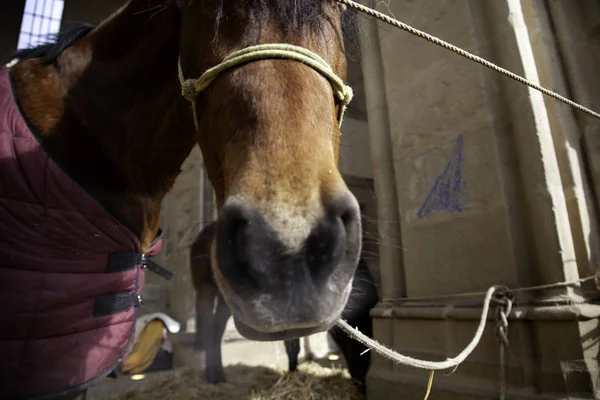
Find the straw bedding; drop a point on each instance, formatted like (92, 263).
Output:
(311, 382)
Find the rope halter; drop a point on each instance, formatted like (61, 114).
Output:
(190, 88)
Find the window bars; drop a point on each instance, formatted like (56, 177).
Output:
(41, 19)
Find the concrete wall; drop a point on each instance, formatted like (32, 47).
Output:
(577, 38)
(355, 157)
(489, 183)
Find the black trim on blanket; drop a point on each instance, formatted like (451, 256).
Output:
(36, 134)
(126, 260)
(122, 261)
(157, 269)
(114, 303)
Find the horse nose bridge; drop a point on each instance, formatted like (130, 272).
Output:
(294, 203)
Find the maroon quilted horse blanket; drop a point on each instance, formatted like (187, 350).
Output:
(70, 272)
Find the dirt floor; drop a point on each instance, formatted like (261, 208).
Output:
(254, 371)
(312, 381)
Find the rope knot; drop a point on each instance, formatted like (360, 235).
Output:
(188, 89)
(345, 94)
(504, 302)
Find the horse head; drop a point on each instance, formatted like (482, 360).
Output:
(268, 114)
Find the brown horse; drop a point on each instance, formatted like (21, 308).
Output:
(106, 105)
(289, 235)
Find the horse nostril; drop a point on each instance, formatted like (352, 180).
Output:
(234, 223)
(347, 209)
(326, 245)
(245, 246)
(349, 217)
(239, 239)
(324, 248)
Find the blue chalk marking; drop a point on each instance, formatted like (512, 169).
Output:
(448, 192)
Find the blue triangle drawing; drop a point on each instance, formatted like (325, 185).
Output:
(448, 193)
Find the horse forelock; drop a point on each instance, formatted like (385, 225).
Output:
(297, 17)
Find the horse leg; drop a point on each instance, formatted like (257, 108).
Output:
(355, 353)
(205, 300)
(214, 362)
(292, 348)
(202, 318)
(308, 353)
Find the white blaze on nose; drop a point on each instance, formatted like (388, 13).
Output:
(292, 220)
(291, 225)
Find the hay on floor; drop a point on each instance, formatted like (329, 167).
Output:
(310, 382)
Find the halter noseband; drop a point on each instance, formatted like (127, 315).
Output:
(190, 88)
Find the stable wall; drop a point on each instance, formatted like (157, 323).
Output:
(482, 181)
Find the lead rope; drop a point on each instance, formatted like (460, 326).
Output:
(423, 364)
(502, 295)
(497, 293)
(190, 88)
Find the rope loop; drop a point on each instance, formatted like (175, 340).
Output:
(423, 364)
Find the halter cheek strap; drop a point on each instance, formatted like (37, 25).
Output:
(190, 88)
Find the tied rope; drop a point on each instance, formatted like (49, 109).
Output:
(465, 54)
(190, 88)
(557, 285)
(423, 364)
(502, 295)
(504, 301)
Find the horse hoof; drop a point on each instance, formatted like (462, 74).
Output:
(215, 377)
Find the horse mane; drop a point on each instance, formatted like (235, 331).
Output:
(54, 45)
(296, 14)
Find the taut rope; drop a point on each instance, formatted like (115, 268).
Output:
(430, 38)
